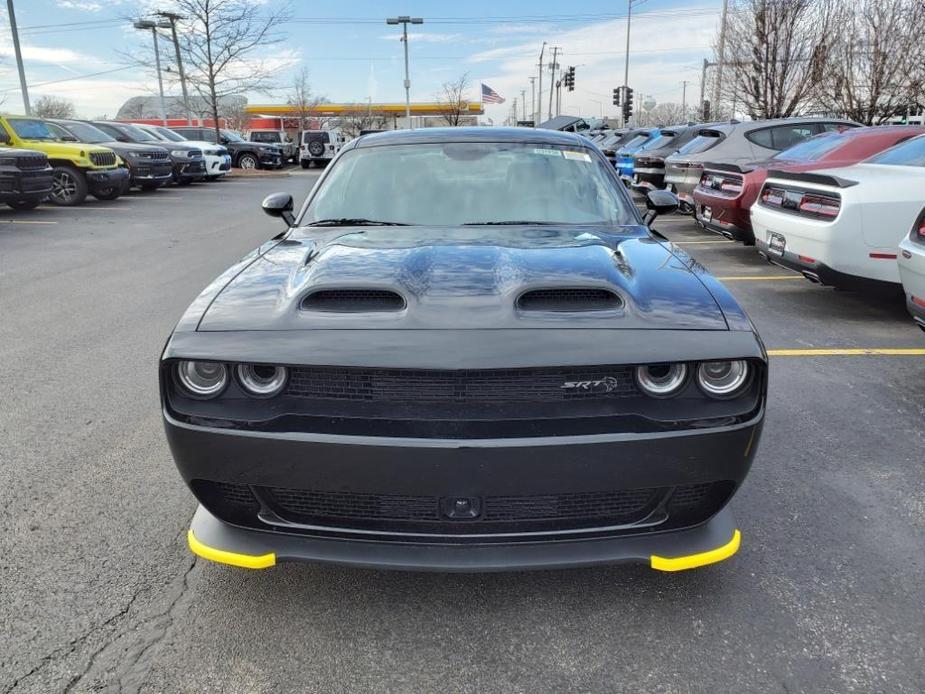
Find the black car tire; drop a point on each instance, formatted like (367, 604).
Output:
(316, 148)
(25, 204)
(108, 193)
(69, 187)
(305, 164)
(248, 161)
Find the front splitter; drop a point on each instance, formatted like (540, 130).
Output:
(715, 540)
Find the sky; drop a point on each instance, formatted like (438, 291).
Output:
(76, 49)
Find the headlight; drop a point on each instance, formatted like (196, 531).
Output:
(202, 379)
(261, 380)
(722, 379)
(179, 152)
(661, 380)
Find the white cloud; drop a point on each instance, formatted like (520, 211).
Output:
(81, 5)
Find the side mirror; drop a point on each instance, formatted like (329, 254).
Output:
(659, 202)
(279, 205)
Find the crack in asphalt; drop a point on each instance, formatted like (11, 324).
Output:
(125, 669)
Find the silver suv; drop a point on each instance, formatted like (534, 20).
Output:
(739, 143)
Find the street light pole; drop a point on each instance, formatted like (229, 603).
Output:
(552, 78)
(19, 65)
(145, 24)
(172, 19)
(404, 20)
(539, 110)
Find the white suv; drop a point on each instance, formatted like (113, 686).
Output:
(319, 146)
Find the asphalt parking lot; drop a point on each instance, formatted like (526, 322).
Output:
(98, 591)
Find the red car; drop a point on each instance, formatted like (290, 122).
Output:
(726, 192)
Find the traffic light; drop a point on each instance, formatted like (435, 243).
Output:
(628, 105)
(616, 96)
(570, 78)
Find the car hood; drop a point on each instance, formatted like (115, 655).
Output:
(119, 147)
(465, 278)
(64, 149)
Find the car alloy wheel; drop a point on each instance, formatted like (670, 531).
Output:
(247, 161)
(68, 186)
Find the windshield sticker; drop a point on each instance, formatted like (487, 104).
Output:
(548, 152)
(577, 156)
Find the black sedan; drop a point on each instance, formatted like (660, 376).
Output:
(467, 352)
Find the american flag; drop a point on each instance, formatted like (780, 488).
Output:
(490, 96)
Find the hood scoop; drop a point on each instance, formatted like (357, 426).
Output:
(353, 301)
(569, 299)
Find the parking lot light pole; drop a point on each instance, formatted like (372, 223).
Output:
(170, 21)
(404, 20)
(145, 24)
(22, 72)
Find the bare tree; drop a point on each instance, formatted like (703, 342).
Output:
(876, 68)
(53, 107)
(361, 118)
(301, 98)
(234, 111)
(776, 54)
(453, 105)
(219, 40)
(664, 114)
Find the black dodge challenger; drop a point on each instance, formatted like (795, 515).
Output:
(467, 352)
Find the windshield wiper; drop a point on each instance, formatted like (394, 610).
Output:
(357, 222)
(508, 222)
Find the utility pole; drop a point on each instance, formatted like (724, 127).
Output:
(684, 99)
(533, 99)
(523, 102)
(172, 19)
(144, 25)
(540, 91)
(19, 65)
(720, 58)
(552, 79)
(404, 20)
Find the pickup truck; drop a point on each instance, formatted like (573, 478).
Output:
(79, 169)
(25, 178)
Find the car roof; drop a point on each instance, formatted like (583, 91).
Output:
(471, 134)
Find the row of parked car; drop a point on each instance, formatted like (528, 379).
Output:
(842, 204)
(65, 160)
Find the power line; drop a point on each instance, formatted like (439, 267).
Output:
(75, 77)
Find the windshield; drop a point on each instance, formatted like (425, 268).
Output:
(634, 144)
(812, 149)
(137, 134)
(232, 136)
(909, 153)
(168, 134)
(701, 143)
(86, 133)
(661, 140)
(31, 129)
(470, 183)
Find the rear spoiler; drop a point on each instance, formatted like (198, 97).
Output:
(733, 168)
(819, 179)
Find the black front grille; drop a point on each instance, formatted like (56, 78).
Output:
(326, 511)
(353, 300)
(569, 299)
(481, 386)
(103, 158)
(32, 162)
(385, 513)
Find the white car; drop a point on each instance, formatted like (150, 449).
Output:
(218, 161)
(319, 146)
(912, 270)
(842, 227)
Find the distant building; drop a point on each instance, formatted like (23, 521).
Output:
(150, 107)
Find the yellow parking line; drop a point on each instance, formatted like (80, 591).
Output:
(852, 352)
(25, 221)
(758, 278)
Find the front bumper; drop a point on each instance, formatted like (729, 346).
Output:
(187, 170)
(278, 472)
(270, 160)
(19, 184)
(711, 542)
(151, 173)
(106, 178)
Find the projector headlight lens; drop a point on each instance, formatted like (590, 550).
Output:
(722, 379)
(261, 380)
(202, 379)
(661, 380)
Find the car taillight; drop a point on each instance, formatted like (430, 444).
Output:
(919, 234)
(820, 205)
(772, 196)
(731, 185)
